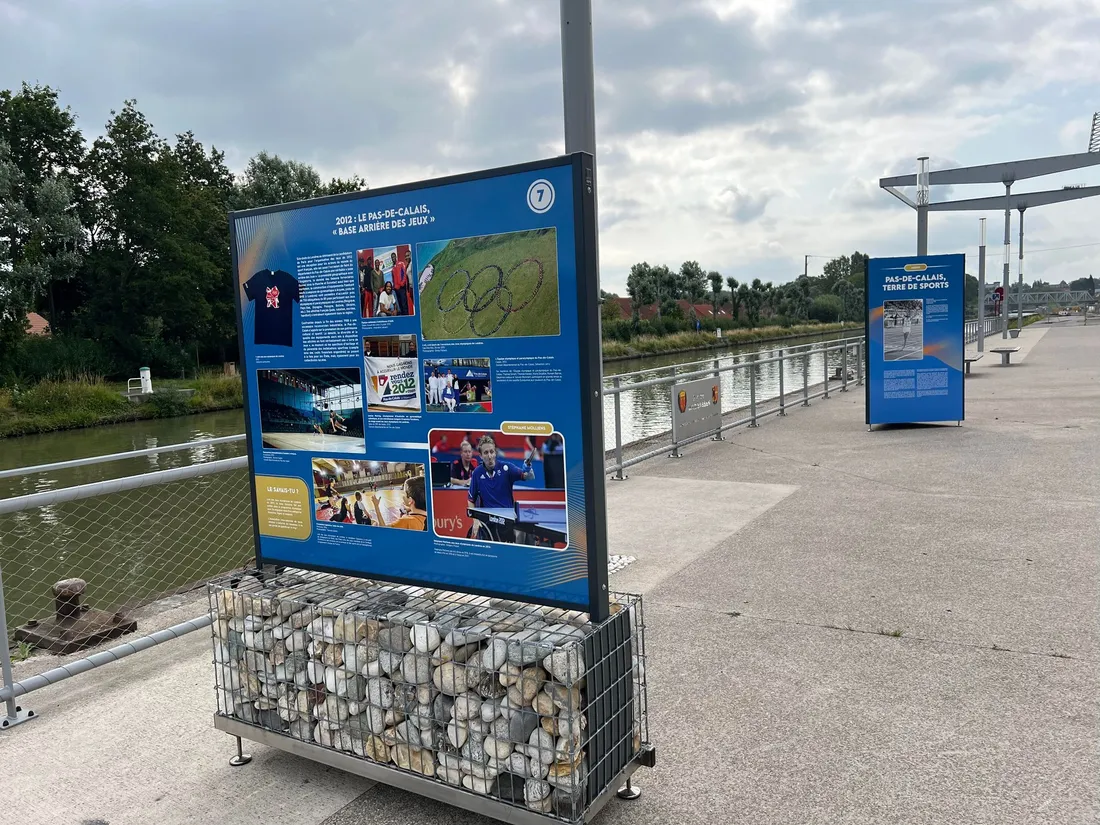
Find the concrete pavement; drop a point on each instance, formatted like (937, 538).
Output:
(844, 627)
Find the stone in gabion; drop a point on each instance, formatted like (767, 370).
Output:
(425, 638)
(450, 678)
(416, 668)
(380, 692)
(394, 640)
(466, 706)
(476, 784)
(457, 733)
(566, 665)
(414, 759)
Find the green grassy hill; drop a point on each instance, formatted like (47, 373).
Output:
(448, 299)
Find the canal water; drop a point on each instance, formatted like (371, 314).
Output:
(201, 527)
(647, 411)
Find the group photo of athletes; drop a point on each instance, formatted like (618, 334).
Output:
(370, 493)
(458, 385)
(487, 485)
(386, 282)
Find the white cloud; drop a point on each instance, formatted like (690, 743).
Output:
(741, 133)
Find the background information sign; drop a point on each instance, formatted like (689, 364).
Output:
(915, 316)
(696, 408)
(422, 375)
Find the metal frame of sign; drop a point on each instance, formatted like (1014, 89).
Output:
(591, 369)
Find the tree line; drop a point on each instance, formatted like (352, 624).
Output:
(122, 243)
(835, 295)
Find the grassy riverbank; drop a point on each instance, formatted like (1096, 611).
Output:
(67, 405)
(687, 341)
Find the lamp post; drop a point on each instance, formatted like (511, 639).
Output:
(981, 285)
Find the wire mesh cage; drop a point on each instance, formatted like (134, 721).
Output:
(534, 707)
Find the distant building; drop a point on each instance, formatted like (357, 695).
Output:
(37, 325)
(648, 311)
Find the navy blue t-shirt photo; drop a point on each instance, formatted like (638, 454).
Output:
(273, 294)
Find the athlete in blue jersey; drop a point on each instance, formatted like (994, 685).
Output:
(491, 485)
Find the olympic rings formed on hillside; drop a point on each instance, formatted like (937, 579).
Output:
(475, 304)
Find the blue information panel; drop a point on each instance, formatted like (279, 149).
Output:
(422, 370)
(915, 316)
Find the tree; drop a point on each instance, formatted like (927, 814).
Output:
(38, 241)
(46, 150)
(735, 298)
(268, 179)
(610, 310)
(692, 283)
(640, 287)
(744, 299)
(715, 279)
(826, 308)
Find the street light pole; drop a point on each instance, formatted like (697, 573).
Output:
(922, 205)
(1008, 253)
(1020, 285)
(981, 285)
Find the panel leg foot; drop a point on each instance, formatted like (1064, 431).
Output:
(242, 758)
(628, 791)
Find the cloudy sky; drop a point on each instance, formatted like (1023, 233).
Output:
(744, 134)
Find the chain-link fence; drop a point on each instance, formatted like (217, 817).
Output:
(131, 543)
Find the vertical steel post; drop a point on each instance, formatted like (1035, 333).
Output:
(718, 377)
(1008, 253)
(859, 362)
(922, 205)
(619, 475)
(825, 367)
(844, 368)
(1020, 282)
(806, 378)
(981, 285)
(782, 390)
(13, 714)
(752, 389)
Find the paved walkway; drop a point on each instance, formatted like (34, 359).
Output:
(844, 627)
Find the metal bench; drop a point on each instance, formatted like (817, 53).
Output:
(1005, 353)
(970, 358)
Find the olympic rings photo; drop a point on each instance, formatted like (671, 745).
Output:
(491, 286)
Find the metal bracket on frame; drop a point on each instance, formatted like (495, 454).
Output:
(20, 716)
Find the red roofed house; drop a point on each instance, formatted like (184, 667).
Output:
(650, 310)
(37, 325)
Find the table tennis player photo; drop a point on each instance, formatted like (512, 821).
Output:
(489, 486)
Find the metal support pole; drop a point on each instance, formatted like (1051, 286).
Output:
(13, 714)
(844, 369)
(1008, 253)
(782, 390)
(619, 474)
(752, 390)
(1020, 282)
(718, 427)
(825, 367)
(922, 205)
(981, 286)
(859, 363)
(805, 379)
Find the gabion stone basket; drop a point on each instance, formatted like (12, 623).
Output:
(490, 705)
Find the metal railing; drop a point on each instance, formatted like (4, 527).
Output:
(812, 366)
(133, 540)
